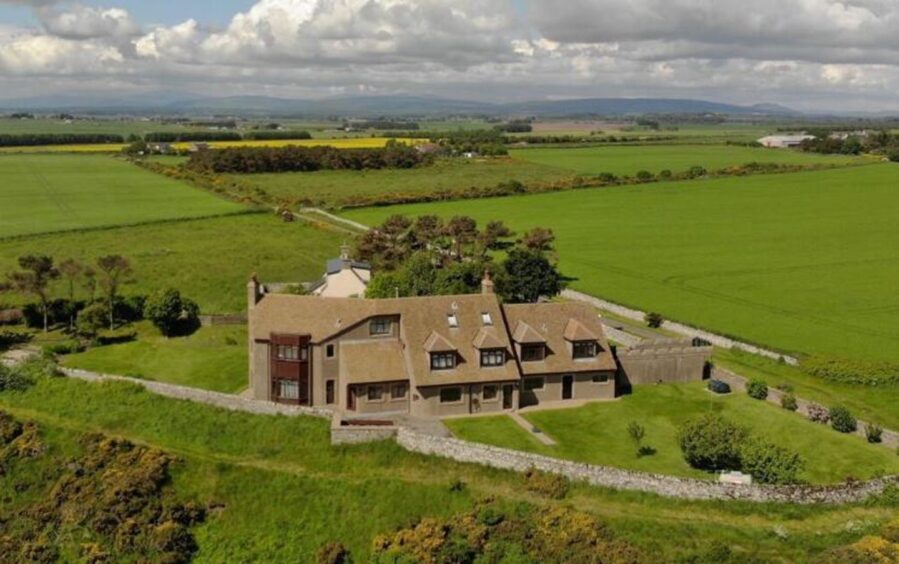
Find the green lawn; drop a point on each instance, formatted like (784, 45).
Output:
(213, 358)
(802, 262)
(282, 490)
(597, 433)
(337, 187)
(208, 260)
(45, 193)
(628, 160)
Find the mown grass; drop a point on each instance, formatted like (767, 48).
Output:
(46, 193)
(801, 262)
(597, 433)
(208, 260)
(213, 358)
(630, 159)
(337, 187)
(281, 490)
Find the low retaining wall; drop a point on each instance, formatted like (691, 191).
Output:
(218, 399)
(668, 486)
(227, 319)
(686, 330)
(356, 434)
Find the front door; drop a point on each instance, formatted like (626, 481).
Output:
(567, 387)
(351, 398)
(507, 396)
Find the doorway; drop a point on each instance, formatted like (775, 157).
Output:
(567, 387)
(508, 390)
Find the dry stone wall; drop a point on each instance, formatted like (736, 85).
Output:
(218, 399)
(669, 486)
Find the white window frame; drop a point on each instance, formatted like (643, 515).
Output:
(500, 358)
(441, 365)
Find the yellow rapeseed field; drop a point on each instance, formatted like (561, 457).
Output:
(343, 143)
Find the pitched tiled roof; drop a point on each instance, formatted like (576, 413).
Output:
(525, 334)
(364, 362)
(575, 331)
(487, 338)
(438, 343)
(553, 321)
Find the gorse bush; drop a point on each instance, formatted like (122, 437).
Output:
(842, 420)
(757, 389)
(14, 380)
(546, 484)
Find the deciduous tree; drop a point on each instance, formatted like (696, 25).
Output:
(115, 270)
(35, 277)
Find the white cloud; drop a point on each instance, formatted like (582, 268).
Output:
(805, 52)
(86, 22)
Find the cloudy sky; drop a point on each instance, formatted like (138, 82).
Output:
(808, 54)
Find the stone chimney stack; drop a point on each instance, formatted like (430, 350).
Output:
(487, 283)
(254, 291)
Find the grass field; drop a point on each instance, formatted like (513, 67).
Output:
(629, 159)
(283, 491)
(209, 260)
(333, 187)
(802, 262)
(597, 433)
(339, 143)
(44, 193)
(213, 358)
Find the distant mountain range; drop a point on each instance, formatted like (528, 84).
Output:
(369, 106)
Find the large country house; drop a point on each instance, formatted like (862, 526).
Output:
(427, 356)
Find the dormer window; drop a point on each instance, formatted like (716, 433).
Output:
(486, 319)
(533, 352)
(493, 357)
(379, 326)
(452, 320)
(583, 349)
(443, 360)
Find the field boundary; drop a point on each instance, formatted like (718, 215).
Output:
(247, 211)
(680, 328)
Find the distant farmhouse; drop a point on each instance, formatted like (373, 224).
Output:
(438, 356)
(783, 141)
(344, 278)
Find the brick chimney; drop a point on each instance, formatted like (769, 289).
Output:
(487, 283)
(254, 291)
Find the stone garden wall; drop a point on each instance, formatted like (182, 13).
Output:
(669, 486)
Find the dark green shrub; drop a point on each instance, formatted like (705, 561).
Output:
(711, 442)
(457, 485)
(654, 319)
(92, 319)
(769, 463)
(65, 347)
(757, 389)
(842, 420)
(552, 486)
(788, 402)
(644, 175)
(719, 386)
(874, 433)
(171, 313)
(13, 379)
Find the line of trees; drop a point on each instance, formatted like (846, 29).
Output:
(38, 273)
(428, 256)
(879, 142)
(32, 139)
(248, 160)
(180, 136)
